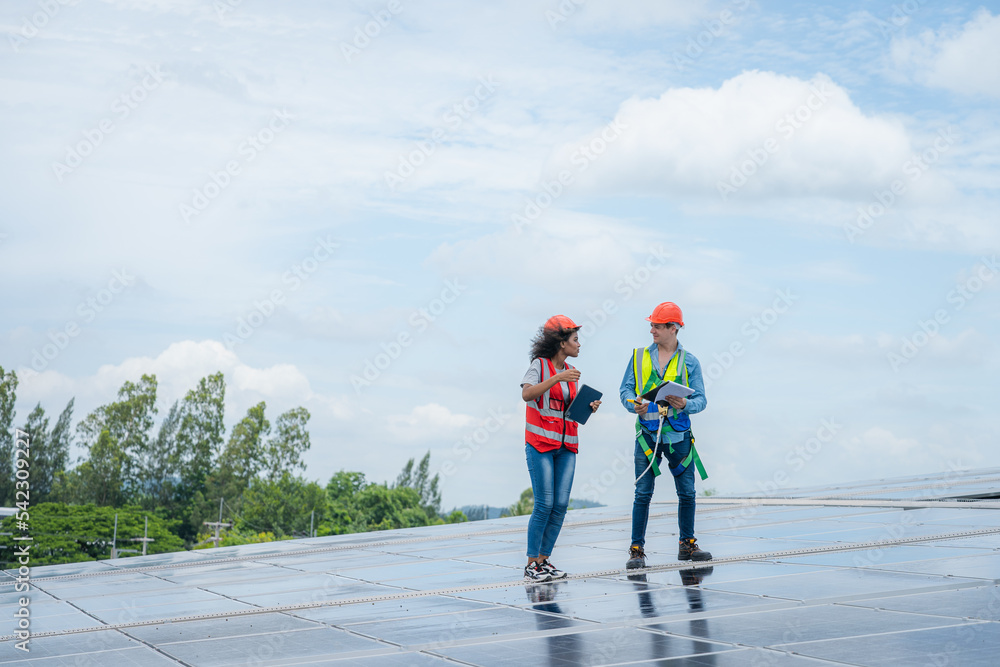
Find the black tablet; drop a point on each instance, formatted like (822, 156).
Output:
(579, 410)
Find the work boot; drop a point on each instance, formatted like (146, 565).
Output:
(689, 550)
(636, 558)
(694, 576)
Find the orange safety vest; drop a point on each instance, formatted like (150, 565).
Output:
(545, 428)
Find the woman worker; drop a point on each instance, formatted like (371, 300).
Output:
(548, 388)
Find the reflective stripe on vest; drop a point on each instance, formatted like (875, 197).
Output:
(544, 425)
(647, 377)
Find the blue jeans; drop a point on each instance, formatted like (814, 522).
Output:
(551, 481)
(644, 489)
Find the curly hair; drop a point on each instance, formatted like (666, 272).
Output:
(546, 342)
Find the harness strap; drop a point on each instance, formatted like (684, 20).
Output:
(683, 465)
(647, 448)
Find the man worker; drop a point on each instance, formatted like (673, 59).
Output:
(649, 367)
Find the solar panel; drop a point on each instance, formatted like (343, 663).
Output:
(891, 572)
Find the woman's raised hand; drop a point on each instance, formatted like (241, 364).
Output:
(568, 375)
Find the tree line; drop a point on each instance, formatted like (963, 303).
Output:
(183, 472)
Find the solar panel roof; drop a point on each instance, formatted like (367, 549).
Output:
(888, 572)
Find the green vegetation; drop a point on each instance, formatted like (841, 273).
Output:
(184, 474)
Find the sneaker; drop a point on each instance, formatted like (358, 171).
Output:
(533, 572)
(689, 550)
(554, 572)
(636, 558)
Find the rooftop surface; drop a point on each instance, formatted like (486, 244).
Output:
(887, 572)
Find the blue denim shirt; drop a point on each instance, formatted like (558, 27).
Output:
(696, 402)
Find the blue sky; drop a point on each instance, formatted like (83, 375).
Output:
(369, 208)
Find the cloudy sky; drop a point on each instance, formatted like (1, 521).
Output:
(368, 209)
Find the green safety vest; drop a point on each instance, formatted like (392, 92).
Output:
(647, 377)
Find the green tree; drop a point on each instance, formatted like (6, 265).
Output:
(291, 440)
(282, 506)
(71, 533)
(456, 516)
(49, 450)
(245, 453)
(420, 481)
(343, 486)
(117, 437)
(381, 508)
(8, 396)
(234, 538)
(101, 478)
(524, 505)
(161, 475)
(200, 433)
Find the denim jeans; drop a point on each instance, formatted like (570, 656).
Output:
(551, 481)
(644, 489)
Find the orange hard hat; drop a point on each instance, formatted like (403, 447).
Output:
(557, 322)
(666, 312)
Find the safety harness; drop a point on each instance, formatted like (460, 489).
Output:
(646, 378)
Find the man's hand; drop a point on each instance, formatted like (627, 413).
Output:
(641, 408)
(568, 375)
(677, 402)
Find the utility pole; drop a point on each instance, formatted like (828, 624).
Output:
(114, 541)
(145, 537)
(217, 524)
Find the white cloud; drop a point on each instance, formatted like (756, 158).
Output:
(431, 422)
(963, 61)
(177, 370)
(787, 136)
